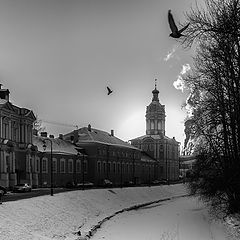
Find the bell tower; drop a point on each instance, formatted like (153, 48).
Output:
(155, 115)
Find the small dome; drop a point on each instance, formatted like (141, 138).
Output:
(155, 91)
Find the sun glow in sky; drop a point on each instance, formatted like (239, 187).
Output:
(58, 56)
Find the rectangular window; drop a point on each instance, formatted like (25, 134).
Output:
(108, 167)
(78, 166)
(99, 167)
(114, 167)
(62, 166)
(37, 165)
(104, 167)
(98, 151)
(118, 167)
(152, 124)
(44, 165)
(85, 166)
(54, 165)
(70, 165)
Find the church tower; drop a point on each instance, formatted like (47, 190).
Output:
(155, 115)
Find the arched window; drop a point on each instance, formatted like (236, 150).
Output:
(70, 165)
(78, 166)
(152, 124)
(99, 167)
(54, 165)
(62, 165)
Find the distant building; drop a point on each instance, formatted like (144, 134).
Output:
(163, 149)
(187, 163)
(111, 158)
(16, 148)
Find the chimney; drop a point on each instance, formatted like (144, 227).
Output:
(51, 136)
(112, 133)
(4, 93)
(43, 134)
(60, 136)
(89, 128)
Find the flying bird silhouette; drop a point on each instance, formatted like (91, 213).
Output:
(109, 91)
(175, 32)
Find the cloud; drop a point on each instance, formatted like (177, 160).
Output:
(185, 68)
(170, 54)
(179, 83)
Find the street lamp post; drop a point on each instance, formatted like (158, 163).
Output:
(83, 172)
(121, 172)
(51, 162)
(149, 181)
(83, 152)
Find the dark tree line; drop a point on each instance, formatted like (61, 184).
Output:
(214, 85)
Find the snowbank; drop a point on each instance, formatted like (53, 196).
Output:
(63, 215)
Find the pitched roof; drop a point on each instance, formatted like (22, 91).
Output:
(99, 136)
(154, 137)
(4, 104)
(58, 145)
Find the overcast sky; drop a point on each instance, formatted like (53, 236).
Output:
(58, 56)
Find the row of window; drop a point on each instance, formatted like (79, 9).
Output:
(117, 153)
(119, 167)
(64, 166)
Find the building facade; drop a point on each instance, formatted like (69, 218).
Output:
(187, 163)
(16, 148)
(68, 165)
(111, 158)
(156, 144)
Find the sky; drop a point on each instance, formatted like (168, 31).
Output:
(58, 56)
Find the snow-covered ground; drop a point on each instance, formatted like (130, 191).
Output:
(178, 219)
(63, 215)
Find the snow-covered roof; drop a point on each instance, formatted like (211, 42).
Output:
(59, 146)
(99, 136)
(155, 137)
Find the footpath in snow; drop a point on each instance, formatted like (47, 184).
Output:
(66, 215)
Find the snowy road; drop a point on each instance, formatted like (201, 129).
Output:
(178, 219)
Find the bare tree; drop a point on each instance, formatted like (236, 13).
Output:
(214, 84)
(37, 125)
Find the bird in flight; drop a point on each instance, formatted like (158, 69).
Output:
(109, 91)
(175, 32)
